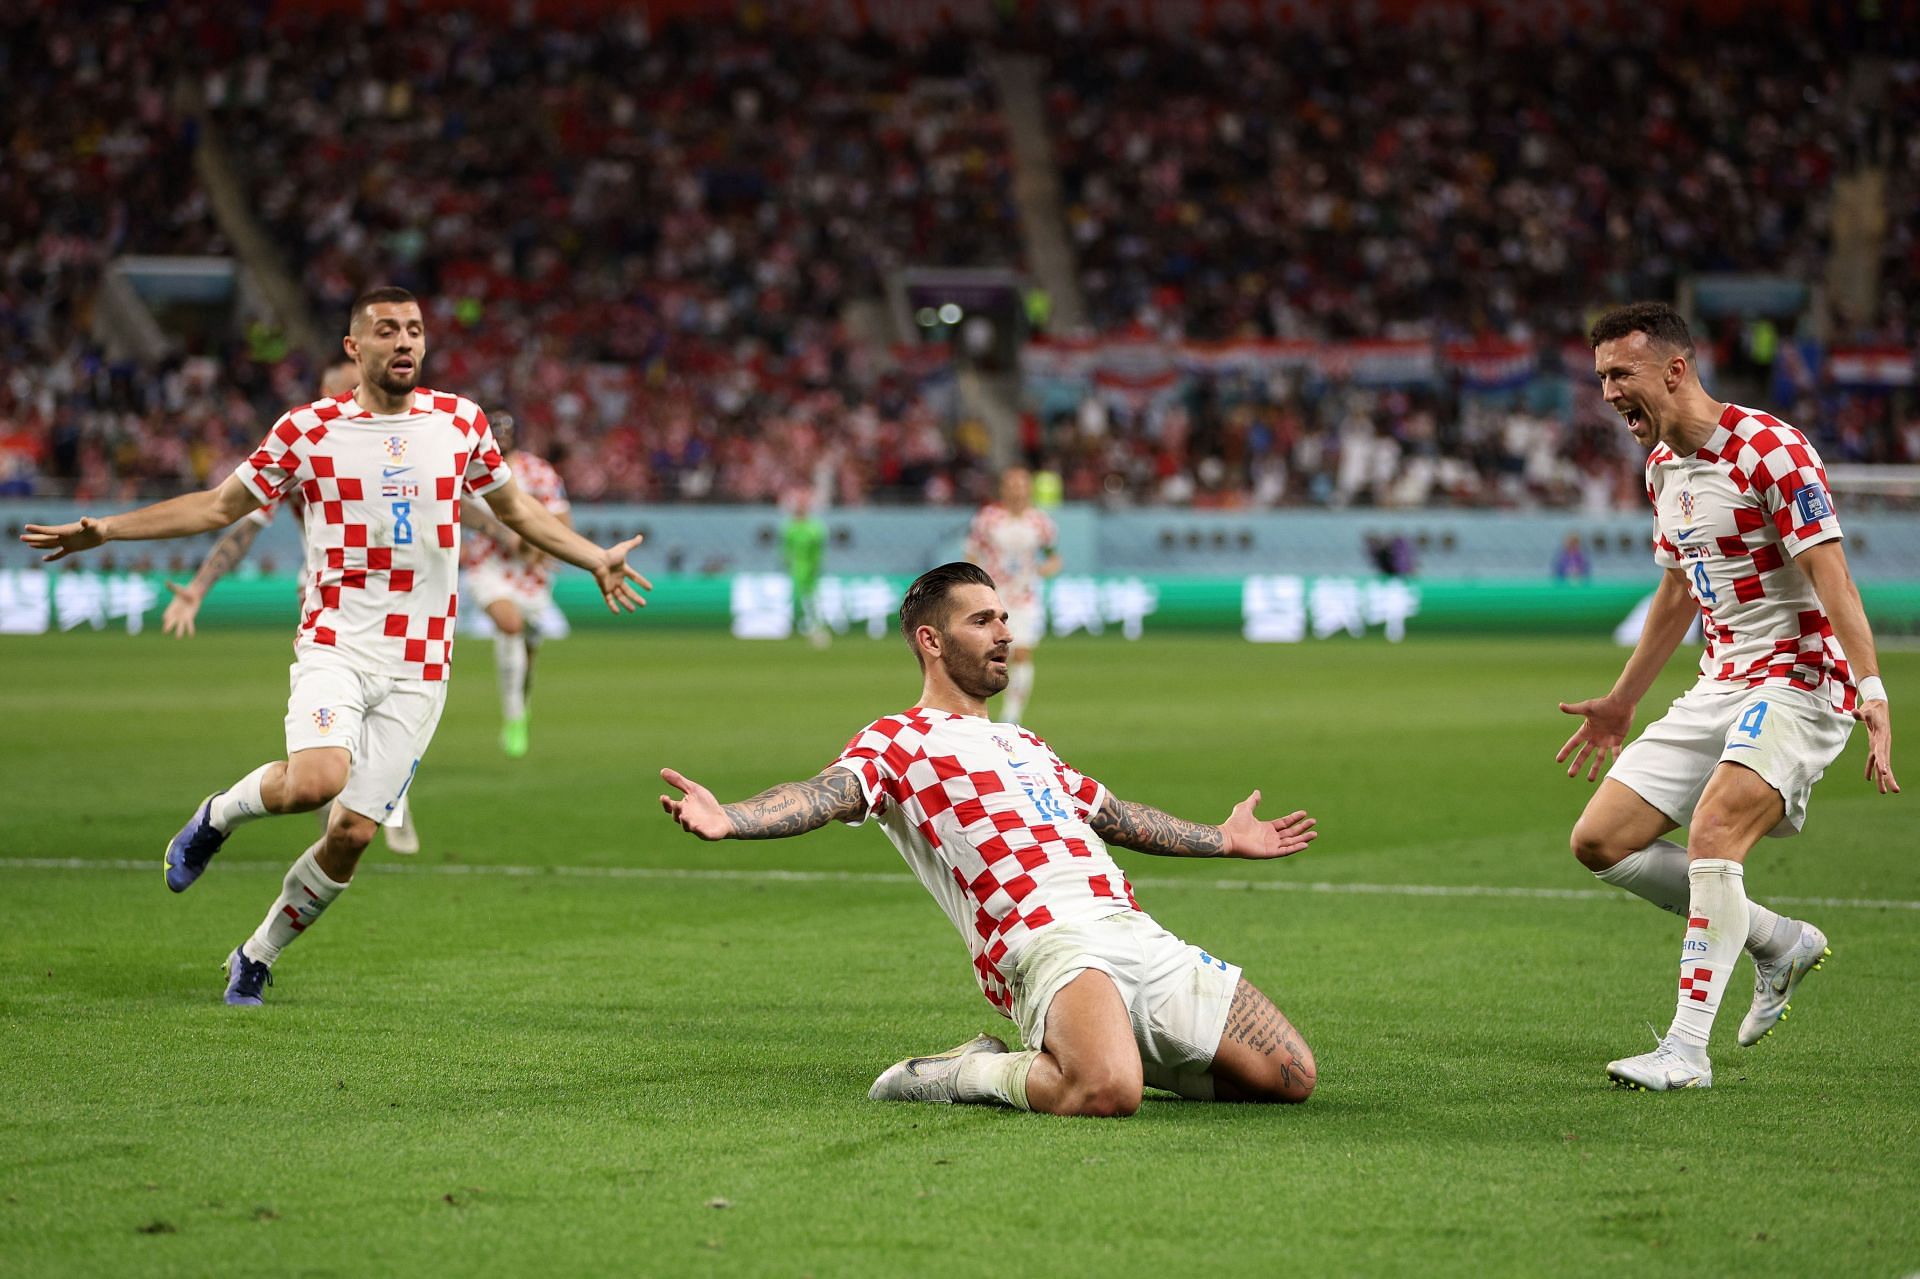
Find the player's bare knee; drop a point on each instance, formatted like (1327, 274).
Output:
(1110, 1099)
(310, 786)
(349, 831)
(1592, 847)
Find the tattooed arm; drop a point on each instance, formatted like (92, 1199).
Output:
(1148, 830)
(227, 552)
(791, 808)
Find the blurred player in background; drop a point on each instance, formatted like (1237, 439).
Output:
(803, 545)
(1013, 845)
(382, 472)
(1745, 530)
(337, 381)
(1016, 543)
(513, 582)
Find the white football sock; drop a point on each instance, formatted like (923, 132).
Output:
(510, 663)
(1658, 873)
(304, 894)
(995, 1078)
(1194, 1085)
(1019, 689)
(240, 803)
(1716, 928)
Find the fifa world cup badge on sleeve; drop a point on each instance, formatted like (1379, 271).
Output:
(1813, 504)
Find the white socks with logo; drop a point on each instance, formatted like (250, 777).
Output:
(240, 803)
(1716, 928)
(1658, 873)
(304, 894)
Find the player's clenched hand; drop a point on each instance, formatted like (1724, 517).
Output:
(1255, 837)
(64, 539)
(1600, 736)
(181, 610)
(1879, 744)
(617, 578)
(699, 812)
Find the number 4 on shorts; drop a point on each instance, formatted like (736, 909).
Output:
(1751, 721)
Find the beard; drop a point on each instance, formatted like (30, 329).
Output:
(976, 676)
(398, 383)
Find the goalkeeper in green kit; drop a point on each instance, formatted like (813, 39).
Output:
(803, 544)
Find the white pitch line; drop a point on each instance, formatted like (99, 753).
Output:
(896, 877)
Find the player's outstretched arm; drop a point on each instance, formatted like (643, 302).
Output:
(543, 529)
(186, 601)
(1148, 830)
(200, 512)
(791, 808)
(1826, 567)
(1606, 721)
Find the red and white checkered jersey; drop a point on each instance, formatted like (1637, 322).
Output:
(1012, 548)
(540, 481)
(1732, 517)
(993, 824)
(383, 523)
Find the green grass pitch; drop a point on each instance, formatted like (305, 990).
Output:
(619, 1061)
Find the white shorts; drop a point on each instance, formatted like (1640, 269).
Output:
(383, 722)
(1028, 624)
(1787, 735)
(1177, 995)
(487, 584)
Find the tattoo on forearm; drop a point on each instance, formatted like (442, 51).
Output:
(794, 808)
(1148, 830)
(1254, 1022)
(226, 553)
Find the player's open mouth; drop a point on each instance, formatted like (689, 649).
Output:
(1633, 419)
(402, 365)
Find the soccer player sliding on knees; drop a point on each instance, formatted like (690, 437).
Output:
(1013, 845)
(1745, 530)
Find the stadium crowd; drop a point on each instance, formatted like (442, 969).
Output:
(648, 244)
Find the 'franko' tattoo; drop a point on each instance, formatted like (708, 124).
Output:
(794, 808)
(1148, 830)
(226, 553)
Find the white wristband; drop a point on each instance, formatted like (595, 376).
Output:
(1871, 689)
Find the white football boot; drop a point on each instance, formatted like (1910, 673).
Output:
(934, 1078)
(1775, 981)
(1666, 1068)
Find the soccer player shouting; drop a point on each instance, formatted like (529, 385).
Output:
(337, 380)
(1744, 527)
(1013, 845)
(381, 471)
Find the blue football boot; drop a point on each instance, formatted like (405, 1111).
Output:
(189, 852)
(246, 978)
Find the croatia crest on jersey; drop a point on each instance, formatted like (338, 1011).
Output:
(1686, 505)
(323, 719)
(396, 448)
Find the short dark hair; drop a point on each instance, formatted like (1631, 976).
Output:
(375, 296)
(925, 601)
(1660, 322)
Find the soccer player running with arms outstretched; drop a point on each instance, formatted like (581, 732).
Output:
(1013, 845)
(1745, 530)
(382, 472)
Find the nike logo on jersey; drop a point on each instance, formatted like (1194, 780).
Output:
(388, 472)
(1681, 535)
(1741, 746)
